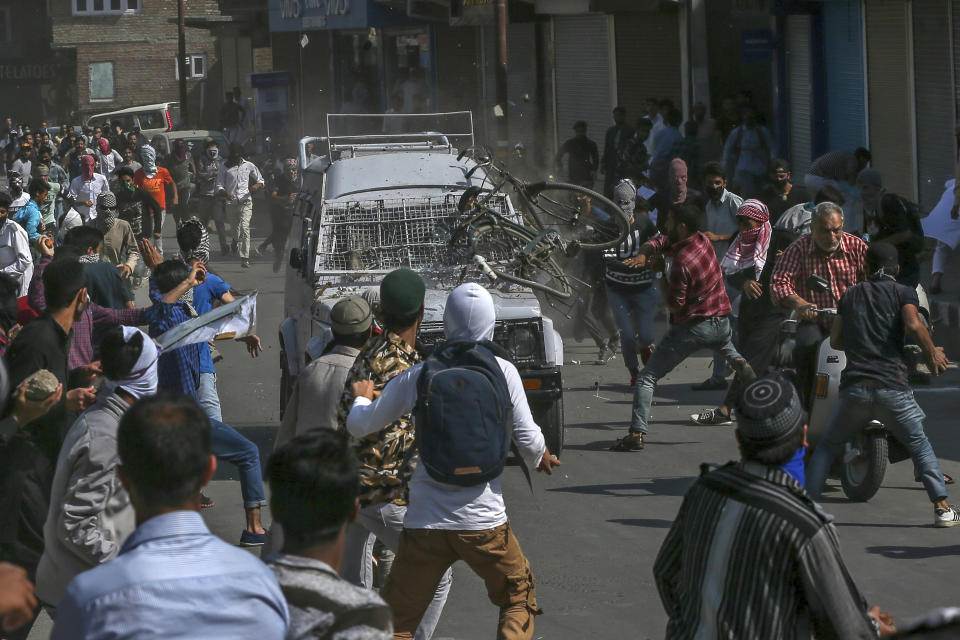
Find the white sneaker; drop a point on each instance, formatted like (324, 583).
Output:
(946, 517)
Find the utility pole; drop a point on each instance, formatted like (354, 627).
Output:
(182, 59)
(503, 128)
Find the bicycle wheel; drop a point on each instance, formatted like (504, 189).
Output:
(513, 254)
(578, 213)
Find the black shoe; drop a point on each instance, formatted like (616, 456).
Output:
(205, 501)
(710, 418)
(710, 384)
(245, 263)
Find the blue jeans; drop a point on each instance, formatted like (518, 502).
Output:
(720, 369)
(634, 314)
(207, 395)
(227, 444)
(682, 341)
(903, 417)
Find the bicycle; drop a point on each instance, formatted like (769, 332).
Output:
(529, 256)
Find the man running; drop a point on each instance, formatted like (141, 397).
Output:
(699, 313)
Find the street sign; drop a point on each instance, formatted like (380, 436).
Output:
(756, 45)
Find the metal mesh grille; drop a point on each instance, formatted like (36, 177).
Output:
(381, 235)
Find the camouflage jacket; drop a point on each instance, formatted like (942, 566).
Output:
(382, 454)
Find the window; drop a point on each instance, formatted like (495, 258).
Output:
(103, 7)
(5, 35)
(101, 81)
(196, 67)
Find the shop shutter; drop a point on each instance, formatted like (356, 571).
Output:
(846, 107)
(801, 94)
(934, 98)
(522, 84)
(890, 95)
(583, 80)
(643, 38)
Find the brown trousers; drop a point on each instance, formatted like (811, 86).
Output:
(493, 554)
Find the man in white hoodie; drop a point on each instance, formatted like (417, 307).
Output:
(90, 512)
(444, 522)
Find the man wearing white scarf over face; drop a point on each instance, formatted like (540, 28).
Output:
(90, 512)
(444, 522)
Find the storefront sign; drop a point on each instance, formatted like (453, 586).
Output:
(756, 45)
(313, 15)
(29, 72)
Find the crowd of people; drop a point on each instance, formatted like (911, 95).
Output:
(108, 440)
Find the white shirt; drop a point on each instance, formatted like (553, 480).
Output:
(435, 505)
(108, 161)
(18, 203)
(15, 258)
(83, 190)
(236, 180)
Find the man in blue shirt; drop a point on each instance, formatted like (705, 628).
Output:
(172, 577)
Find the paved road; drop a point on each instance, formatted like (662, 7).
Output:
(593, 529)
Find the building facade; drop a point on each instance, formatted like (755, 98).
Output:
(125, 52)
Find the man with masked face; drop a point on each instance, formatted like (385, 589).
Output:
(71, 157)
(699, 313)
(180, 165)
(154, 180)
(18, 196)
(119, 243)
(85, 188)
(59, 181)
(90, 512)
(15, 257)
(211, 208)
(234, 186)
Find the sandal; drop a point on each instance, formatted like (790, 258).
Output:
(631, 442)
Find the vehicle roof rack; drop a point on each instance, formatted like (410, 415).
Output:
(355, 133)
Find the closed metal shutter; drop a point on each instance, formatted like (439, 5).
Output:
(843, 40)
(638, 77)
(582, 66)
(522, 83)
(890, 95)
(934, 98)
(801, 94)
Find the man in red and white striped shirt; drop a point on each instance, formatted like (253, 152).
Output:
(699, 313)
(834, 255)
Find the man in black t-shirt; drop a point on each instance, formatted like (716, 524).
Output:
(583, 158)
(283, 199)
(874, 318)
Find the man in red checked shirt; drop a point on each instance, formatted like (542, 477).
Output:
(699, 313)
(834, 255)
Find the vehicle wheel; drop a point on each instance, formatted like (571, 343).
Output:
(862, 476)
(550, 419)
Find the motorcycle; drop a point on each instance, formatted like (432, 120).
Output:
(863, 463)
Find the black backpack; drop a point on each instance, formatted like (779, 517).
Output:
(464, 415)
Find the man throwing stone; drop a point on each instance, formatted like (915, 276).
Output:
(699, 313)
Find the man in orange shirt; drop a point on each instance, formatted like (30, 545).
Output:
(153, 180)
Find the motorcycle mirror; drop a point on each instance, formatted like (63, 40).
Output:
(817, 284)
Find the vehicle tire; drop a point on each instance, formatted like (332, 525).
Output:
(861, 478)
(550, 418)
(549, 204)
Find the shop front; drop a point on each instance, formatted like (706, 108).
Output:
(379, 59)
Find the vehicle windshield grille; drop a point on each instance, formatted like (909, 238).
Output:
(382, 235)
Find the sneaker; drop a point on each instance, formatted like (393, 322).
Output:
(710, 418)
(205, 501)
(710, 384)
(604, 354)
(251, 539)
(946, 517)
(631, 442)
(245, 263)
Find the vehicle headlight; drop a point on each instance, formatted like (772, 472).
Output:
(522, 342)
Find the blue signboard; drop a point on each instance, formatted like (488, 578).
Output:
(313, 15)
(756, 45)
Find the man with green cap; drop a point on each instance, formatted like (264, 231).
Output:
(385, 454)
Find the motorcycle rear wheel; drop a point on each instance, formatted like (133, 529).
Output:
(861, 478)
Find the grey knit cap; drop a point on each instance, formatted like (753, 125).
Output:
(870, 176)
(769, 411)
(625, 196)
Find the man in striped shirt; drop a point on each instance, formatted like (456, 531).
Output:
(750, 554)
